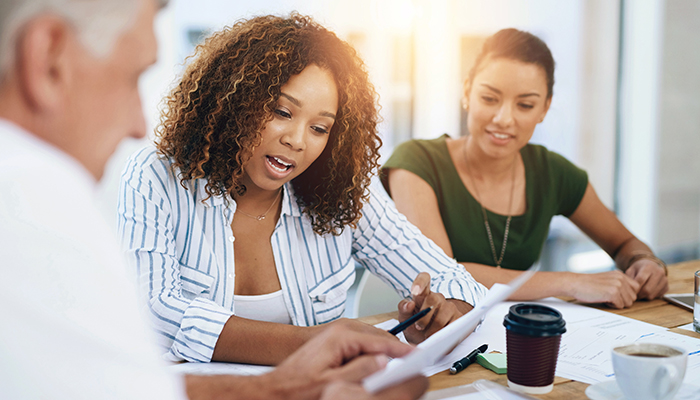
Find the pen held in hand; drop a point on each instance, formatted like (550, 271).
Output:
(405, 324)
(468, 360)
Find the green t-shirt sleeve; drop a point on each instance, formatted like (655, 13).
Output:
(569, 181)
(413, 156)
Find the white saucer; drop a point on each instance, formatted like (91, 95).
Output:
(608, 390)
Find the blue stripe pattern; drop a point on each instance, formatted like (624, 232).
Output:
(181, 249)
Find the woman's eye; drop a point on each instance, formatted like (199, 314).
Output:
(488, 99)
(320, 129)
(526, 106)
(283, 113)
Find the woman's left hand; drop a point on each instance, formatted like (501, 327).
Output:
(650, 276)
(444, 310)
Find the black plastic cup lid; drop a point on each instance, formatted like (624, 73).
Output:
(534, 320)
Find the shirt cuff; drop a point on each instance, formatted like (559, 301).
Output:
(199, 331)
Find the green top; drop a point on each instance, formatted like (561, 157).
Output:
(554, 186)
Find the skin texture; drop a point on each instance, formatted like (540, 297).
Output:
(85, 105)
(509, 98)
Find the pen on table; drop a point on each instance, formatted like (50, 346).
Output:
(405, 324)
(469, 359)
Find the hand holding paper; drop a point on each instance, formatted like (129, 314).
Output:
(439, 344)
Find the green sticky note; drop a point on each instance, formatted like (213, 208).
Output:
(496, 362)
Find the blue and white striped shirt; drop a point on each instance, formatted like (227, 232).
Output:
(181, 247)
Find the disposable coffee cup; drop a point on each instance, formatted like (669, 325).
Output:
(533, 334)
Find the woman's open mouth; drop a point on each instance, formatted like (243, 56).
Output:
(278, 164)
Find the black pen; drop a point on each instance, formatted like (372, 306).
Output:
(405, 324)
(466, 361)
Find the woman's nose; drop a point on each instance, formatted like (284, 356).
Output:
(295, 137)
(504, 116)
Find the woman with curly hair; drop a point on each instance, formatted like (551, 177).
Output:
(245, 223)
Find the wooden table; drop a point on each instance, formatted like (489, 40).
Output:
(657, 312)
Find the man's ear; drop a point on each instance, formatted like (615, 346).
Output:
(43, 68)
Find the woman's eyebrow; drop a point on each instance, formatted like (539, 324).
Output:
(292, 99)
(520, 95)
(298, 103)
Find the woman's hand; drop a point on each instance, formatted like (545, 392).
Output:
(650, 276)
(614, 288)
(444, 311)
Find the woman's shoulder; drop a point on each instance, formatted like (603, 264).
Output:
(437, 144)
(148, 163)
(541, 157)
(418, 151)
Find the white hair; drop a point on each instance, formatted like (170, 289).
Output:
(98, 23)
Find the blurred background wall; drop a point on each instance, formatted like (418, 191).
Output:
(626, 103)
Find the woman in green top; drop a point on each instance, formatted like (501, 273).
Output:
(487, 199)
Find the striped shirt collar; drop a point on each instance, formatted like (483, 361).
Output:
(289, 202)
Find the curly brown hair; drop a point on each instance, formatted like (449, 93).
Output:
(212, 120)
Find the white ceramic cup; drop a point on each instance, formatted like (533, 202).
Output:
(648, 371)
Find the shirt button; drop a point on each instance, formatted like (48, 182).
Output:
(231, 239)
(230, 276)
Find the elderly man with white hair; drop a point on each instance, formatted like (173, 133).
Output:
(71, 325)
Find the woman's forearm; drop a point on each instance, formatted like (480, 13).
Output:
(630, 248)
(542, 284)
(256, 342)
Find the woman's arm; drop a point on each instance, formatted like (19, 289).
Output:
(267, 343)
(394, 250)
(630, 254)
(417, 201)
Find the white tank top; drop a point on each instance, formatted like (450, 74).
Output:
(265, 307)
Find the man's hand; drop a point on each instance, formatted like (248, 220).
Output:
(651, 278)
(613, 288)
(443, 312)
(336, 359)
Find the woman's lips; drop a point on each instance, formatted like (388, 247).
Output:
(279, 167)
(500, 137)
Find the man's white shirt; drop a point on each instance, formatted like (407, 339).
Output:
(71, 326)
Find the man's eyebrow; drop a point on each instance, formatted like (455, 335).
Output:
(298, 103)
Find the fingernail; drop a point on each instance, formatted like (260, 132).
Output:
(382, 360)
(418, 327)
(405, 307)
(415, 290)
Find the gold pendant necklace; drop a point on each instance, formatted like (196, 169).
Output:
(483, 212)
(261, 216)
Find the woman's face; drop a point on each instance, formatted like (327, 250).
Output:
(298, 132)
(507, 99)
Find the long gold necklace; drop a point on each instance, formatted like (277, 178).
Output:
(483, 212)
(261, 216)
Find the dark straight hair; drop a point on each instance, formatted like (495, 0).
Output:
(517, 45)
